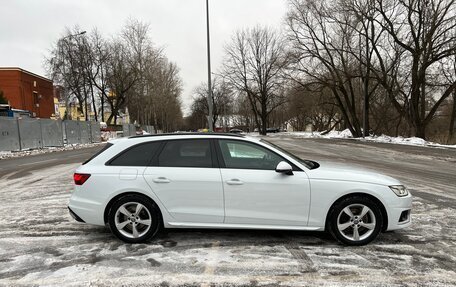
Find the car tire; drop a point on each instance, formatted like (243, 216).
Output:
(355, 220)
(132, 225)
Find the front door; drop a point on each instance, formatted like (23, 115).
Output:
(255, 193)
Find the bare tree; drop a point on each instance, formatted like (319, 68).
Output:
(100, 57)
(425, 32)
(67, 65)
(127, 72)
(221, 100)
(254, 63)
(155, 98)
(310, 105)
(166, 91)
(137, 43)
(324, 45)
(121, 78)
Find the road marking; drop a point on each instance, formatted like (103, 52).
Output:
(210, 265)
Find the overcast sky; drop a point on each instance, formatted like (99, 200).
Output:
(28, 28)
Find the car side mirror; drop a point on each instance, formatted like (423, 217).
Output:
(284, 167)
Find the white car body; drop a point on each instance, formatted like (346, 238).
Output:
(232, 198)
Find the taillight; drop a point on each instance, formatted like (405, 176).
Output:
(80, 178)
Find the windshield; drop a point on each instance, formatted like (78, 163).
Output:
(308, 163)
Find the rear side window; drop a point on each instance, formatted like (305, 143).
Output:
(186, 153)
(139, 155)
(108, 145)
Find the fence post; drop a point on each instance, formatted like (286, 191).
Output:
(19, 134)
(41, 133)
(80, 134)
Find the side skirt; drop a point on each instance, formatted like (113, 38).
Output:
(239, 226)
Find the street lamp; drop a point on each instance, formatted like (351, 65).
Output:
(74, 35)
(209, 84)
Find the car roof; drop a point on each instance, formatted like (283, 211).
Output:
(189, 134)
(127, 141)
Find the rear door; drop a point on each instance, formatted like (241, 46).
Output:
(186, 178)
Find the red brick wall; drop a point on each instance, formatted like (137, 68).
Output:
(18, 88)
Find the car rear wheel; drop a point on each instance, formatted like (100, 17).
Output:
(355, 220)
(134, 218)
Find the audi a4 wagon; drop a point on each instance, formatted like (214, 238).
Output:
(141, 184)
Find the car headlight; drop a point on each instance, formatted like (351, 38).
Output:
(399, 190)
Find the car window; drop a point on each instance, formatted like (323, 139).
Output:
(308, 163)
(108, 145)
(186, 153)
(244, 155)
(139, 155)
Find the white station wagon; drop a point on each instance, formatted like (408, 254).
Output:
(141, 184)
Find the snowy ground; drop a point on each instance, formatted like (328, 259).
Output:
(13, 154)
(40, 244)
(346, 134)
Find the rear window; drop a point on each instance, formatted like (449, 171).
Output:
(186, 153)
(108, 145)
(138, 155)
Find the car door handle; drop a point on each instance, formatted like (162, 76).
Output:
(161, 179)
(234, 181)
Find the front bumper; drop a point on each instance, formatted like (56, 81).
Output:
(399, 215)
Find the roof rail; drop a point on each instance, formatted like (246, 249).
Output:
(190, 134)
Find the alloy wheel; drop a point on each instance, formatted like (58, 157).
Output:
(356, 222)
(133, 220)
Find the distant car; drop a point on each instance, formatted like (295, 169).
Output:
(236, 131)
(272, 130)
(141, 184)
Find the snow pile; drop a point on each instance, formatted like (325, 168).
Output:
(11, 154)
(404, 141)
(399, 140)
(346, 134)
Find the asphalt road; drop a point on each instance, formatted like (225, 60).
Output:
(18, 167)
(40, 244)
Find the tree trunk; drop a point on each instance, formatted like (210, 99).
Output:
(102, 108)
(94, 105)
(264, 116)
(420, 130)
(452, 119)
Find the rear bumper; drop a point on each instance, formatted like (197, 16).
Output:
(75, 216)
(87, 211)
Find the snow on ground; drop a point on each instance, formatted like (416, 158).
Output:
(12, 154)
(346, 134)
(40, 244)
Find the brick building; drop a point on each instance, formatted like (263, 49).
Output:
(27, 91)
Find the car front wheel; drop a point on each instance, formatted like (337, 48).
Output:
(355, 220)
(134, 218)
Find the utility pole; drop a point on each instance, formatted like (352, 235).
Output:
(209, 74)
(366, 89)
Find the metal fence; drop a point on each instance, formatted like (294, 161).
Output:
(9, 134)
(20, 134)
(128, 130)
(149, 129)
